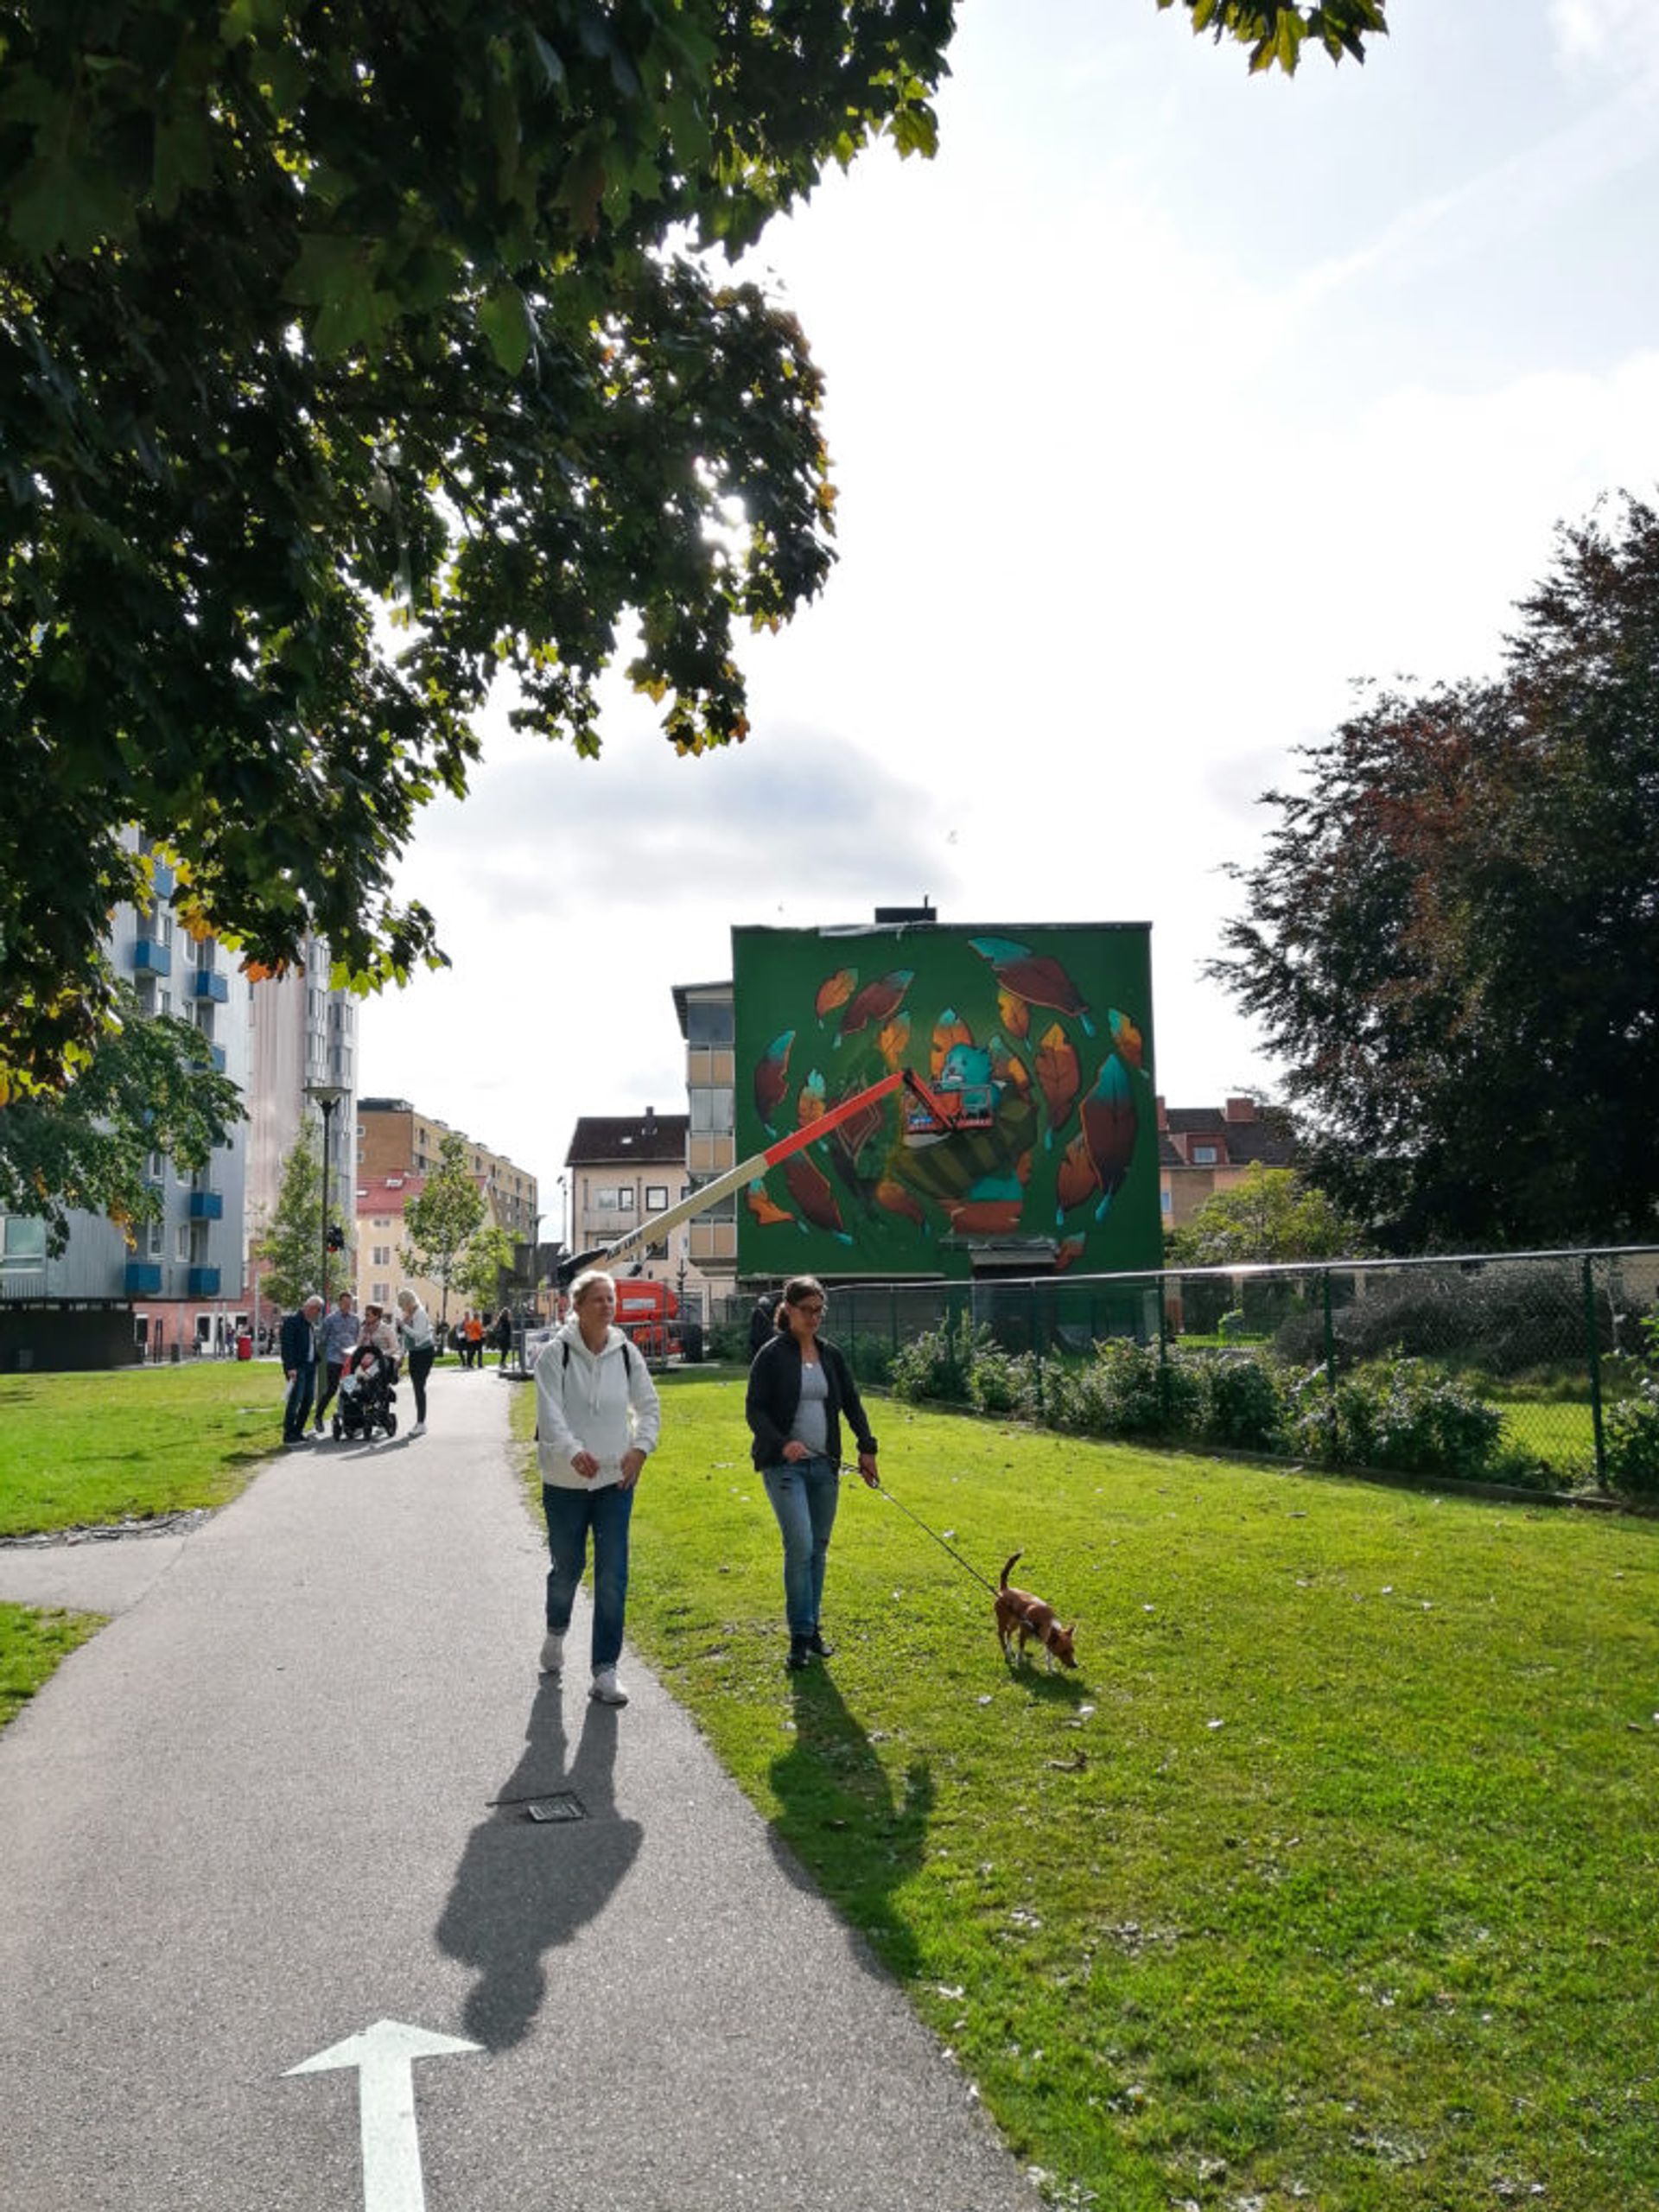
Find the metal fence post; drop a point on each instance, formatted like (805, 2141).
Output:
(1593, 1338)
(1330, 1335)
(1163, 1347)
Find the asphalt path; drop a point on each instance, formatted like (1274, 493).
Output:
(282, 1798)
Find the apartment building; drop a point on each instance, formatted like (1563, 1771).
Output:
(393, 1137)
(623, 1169)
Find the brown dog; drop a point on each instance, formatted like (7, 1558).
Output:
(1019, 1609)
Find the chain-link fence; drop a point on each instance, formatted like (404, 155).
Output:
(1501, 1367)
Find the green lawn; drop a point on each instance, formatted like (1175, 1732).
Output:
(80, 1451)
(1329, 1879)
(31, 1645)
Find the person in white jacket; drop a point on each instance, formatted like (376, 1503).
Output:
(596, 1418)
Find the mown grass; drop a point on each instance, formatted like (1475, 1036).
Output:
(85, 1451)
(1329, 1879)
(33, 1644)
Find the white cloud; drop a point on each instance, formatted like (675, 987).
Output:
(1620, 32)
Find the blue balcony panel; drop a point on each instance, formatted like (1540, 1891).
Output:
(201, 1282)
(151, 958)
(218, 1052)
(206, 1205)
(162, 879)
(210, 984)
(143, 1278)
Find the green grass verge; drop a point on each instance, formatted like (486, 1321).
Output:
(83, 1451)
(1329, 1879)
(31, 1645)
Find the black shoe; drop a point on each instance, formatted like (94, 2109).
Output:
(815, 1643)
(800, 1650)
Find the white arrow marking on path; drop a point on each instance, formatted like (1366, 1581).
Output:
(386, 2055)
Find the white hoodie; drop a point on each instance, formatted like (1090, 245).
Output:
(604, 1402)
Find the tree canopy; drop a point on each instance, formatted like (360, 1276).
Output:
(1269, 1215)
(289, 1244)
(353, 356)
(1453, 939)
(148, 1087)
(441, 1222)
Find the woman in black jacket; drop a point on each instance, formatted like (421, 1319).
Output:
(800, 1386)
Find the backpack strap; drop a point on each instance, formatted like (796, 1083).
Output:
(627, 1356)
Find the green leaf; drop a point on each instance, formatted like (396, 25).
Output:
(507, 325)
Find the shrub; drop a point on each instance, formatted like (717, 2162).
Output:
(1232, 1325)
(1244, 1401)
(728, 1340)
(1005, 1383)
(1505, 1318)
(937, 1363)
(1399, 1415)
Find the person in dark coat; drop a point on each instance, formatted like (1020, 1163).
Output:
(299, 1356)
(800, 1389)
(763, 1321)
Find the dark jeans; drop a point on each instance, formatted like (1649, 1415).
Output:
(420, 1366)
(330, 1383)
(298, 1405)
(570, 1515)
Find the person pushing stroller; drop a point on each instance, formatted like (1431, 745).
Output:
(369, 1379)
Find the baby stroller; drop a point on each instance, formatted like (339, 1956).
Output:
(368, 1399)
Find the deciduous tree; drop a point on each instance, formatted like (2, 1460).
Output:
(1269, 1215)
(1452, 940)
(148, 1087)
(441, 1223)
(327, 319)
(289, 1246)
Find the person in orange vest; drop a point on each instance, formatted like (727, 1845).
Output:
(474, 1326)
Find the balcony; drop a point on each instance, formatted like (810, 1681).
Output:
(210, 984)
(151, 958)
(206, 1205)
(143, 1278)
(201, 1282)
(216, 1052)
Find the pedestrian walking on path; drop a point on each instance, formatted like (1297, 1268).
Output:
(298, 1349)
(415, 1330)
(596, 1418)
(799, 1386)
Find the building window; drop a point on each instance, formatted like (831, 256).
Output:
(1205, 1156)
(381, 1256)
(711, 1110)
(616, 1197)
(708, 1021)
(656, 1198)
(379, 1292)
(155, 1239)
(1167, 1201)
(182, 1242)
(22, 1240)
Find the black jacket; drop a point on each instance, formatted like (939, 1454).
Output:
(775, 1394)
(299, 1342)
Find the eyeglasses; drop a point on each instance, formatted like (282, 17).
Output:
(813, 1306)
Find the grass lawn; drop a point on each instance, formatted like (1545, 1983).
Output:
(31, 1645)
(81, 1451)
(1329, 1879)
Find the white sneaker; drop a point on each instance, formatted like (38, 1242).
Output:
(552, 1661)
(606, 1687)
(419, 1429)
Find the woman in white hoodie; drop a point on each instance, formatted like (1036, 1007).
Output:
(596, 1418)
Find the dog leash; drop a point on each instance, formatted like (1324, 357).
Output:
(881, 1491)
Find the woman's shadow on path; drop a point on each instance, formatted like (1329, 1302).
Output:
(522, 1886)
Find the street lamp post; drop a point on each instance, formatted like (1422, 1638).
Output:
(326, 1096)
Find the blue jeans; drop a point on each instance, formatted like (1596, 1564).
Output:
(805, 1494)
(298, 1405)
(570, 1515)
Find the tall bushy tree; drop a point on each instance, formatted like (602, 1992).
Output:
(441, 1223)
(313, 311)
(1452, 940)
(1269, 1215)
(148, 1085)
(289, 1245)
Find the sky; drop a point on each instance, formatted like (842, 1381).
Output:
(1165, 405)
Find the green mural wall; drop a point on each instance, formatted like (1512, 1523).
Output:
(1052, 1024)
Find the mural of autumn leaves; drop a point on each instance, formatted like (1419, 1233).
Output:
(1056, 1089)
